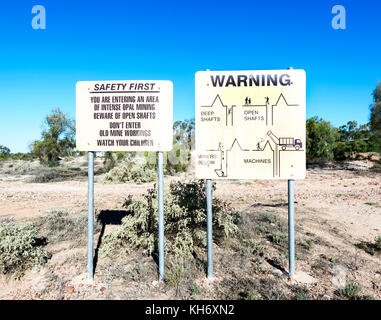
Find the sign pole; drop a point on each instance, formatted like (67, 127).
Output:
(209, 226)
(291, 225)
(291, 229)
(90, 215)
(161, 213)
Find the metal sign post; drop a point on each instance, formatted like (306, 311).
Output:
(291, 229)
(209, 226)
(160, 174)
(291, 225)
(90, 215)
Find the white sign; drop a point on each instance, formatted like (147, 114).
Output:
(124, 115)
(251, 124)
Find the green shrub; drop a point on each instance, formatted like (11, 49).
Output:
(320, 140)
(196, 290)
(22, 167)
(342, 151)
(268, 218)
(128, 170)
(369, 247)
(177, 160)
(57, 138)
(185, 222)
(4, 152)
(278, 238)
(308, 244)
(43, 175)
(378, 243)
(22, 156)
(175, 273)
(58, 225)
(20, 248)
(350, 291)
(303, 295)
(252, 295)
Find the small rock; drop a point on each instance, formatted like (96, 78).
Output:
(326, 297)
(276, 272)
(70, 289)
(303, 277)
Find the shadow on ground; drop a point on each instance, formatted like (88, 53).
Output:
(108, 217)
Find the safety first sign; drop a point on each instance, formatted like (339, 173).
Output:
(124, 115)
(251, 124)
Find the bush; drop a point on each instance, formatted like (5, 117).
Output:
(22, 156)
(129, 170)
(4, 152)
(342, 151)
(321, 138)
(178, 159)
(375, 118)
(185, 222)
(43, 175)
(58, 225)
(20, 248)
(57, 138)
(350, 291)
(371, 248)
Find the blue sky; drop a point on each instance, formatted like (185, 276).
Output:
(171, 40)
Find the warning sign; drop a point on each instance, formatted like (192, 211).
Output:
(124, 115)
(251, 124)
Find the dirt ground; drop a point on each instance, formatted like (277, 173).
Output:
(336, 207)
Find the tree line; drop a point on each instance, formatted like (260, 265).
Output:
(325, 142)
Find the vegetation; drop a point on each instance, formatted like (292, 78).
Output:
(320, 140)
(178, 159)
(325, 142)
(20, 248)
(353, 139)
(369, 247)
(375, 117)
(350, 291)
(22, 156)
(58, 225)
(252, 295)
(111, 159)
(183, 143)
(61, 173)
(185, 222)
(4, 152)
(57, 138)
(131, 169)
